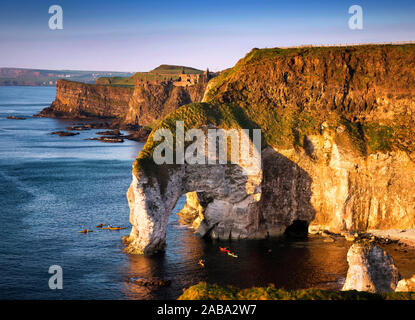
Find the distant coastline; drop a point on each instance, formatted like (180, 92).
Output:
(48, 78)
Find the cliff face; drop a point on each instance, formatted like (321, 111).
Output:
(151, 102)
(80, 100)
(339, 191)
(142, 104)
(366, 83)
(343, 115)
(338, 148)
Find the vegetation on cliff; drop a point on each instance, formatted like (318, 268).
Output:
(367, 88)
(162, 72)
(205, 291)
(360, 93)
(194, 115)
(322, 55)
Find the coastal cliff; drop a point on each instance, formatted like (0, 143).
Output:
(153, 101)
(141, 104)
(343, 115)
(337, 153)
(79, 100)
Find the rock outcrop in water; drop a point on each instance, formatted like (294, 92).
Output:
(338, 147)
(193, 211)
(406, 285)
(371, 269)
(231, 194)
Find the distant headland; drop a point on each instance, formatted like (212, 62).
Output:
(42, 77)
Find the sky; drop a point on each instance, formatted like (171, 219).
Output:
(140, 35)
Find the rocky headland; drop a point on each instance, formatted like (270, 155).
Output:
(337, 151)
(128, 103)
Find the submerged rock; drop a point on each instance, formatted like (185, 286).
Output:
(140, 134)
(79, 128)
(152, 282)
(114, 132)
(16, 118)
(111, 139)
(371, 269)
(65, 133)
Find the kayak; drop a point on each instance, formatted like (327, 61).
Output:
(233, 255)
(114, 228)
(85, 231)
(224, 250)
(202, 263)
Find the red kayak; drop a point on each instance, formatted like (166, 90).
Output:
(226, 250)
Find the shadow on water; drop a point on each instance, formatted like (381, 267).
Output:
(288, 262)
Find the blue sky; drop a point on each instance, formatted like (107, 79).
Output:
(140, 35)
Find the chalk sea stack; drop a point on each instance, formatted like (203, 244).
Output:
(371, 269)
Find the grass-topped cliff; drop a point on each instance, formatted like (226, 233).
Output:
(290, 92)
(195, 115)
(338, 146)
(129, 104)
(204, 291)
(162, 72)
(81, 100)
(364, 94)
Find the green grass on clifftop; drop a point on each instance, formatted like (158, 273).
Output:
(204, 291)
(255, 94)
(256, 56)
(194, 115)
(162, 72)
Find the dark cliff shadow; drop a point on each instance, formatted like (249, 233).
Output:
(286, 187)
(286, 195)
(286, 190)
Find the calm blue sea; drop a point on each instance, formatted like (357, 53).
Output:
(51, 187)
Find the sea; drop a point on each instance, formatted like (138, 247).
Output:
(51, 187)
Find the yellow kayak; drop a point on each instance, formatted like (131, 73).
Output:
(114, 228)
(233, 255)
(85, 231)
